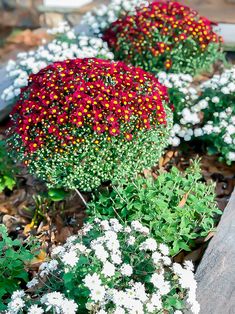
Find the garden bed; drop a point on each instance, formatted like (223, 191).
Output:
(114, 175)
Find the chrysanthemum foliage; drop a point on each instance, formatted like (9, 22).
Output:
(111, 268)
(81, 122)
(165, 35)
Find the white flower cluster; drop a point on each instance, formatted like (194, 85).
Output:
(217, 104)
(206, 112)
(68, 47)
(54, 302)
(115, 277)
(62, 28)
(100, 18)
(183, 96)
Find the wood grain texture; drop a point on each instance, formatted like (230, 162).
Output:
(216, 273)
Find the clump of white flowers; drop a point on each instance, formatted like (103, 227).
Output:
(110, 268)
(52, 302)
(217, 104)
(183, 95)
(206, 113)
(100, 18)
(66, 46)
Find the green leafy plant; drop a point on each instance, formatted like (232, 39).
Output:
(7, 169)
(13, 256)
(110, 268)
(177, 207)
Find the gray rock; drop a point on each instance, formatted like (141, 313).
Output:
(9, 4)
(216, 273)
(5, 82)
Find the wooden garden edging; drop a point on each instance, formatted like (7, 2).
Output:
(216, 272)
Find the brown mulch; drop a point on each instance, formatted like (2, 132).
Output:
(21, 40)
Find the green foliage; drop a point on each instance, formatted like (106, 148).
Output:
(13, 256)
(177, 207)
(7, 171)
(57, 195)
(116, 160)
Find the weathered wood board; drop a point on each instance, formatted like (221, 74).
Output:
(216, 272)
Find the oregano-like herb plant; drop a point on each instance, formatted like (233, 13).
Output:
(178, 207)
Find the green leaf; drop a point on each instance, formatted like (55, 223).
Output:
(9, 182)
(57, 195)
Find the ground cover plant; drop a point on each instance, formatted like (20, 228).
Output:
(14, 254)
(217, 128)
(165, 36)
(205, 113)
(110, 268)
(183, 95)
(7, 169)
(82, 122)
(177, 207)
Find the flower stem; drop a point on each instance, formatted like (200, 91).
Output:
(81, 197)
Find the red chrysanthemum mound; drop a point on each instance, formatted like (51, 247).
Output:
(87, 93)
(152, 36)
(81, 122)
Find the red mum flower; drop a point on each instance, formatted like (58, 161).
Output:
(98, 95)
(132, 39)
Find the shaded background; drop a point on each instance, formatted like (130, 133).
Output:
(23, 22)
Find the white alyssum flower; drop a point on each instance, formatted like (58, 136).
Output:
(53, 300)
(100, 279)
(163, 249)
(159, 282)
(101, 253)
(18, 294)
(98, 294)
(131, 240)
(35, 309)
(70, 258)
(149, 245)
(99, 19)
(32, 283)
(92, 281)
(69, 307)
(126, 270)
(108, 269)
(189, 116)
(15, 305)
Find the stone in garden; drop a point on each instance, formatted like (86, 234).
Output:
(5, 82)
(216, 273)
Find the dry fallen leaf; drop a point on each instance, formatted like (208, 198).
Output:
(209, 236)
(38, 260)
(147, 173)
(28, 228)
(161, 162)
(63, 235)
(10, 222)
(184, 200)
